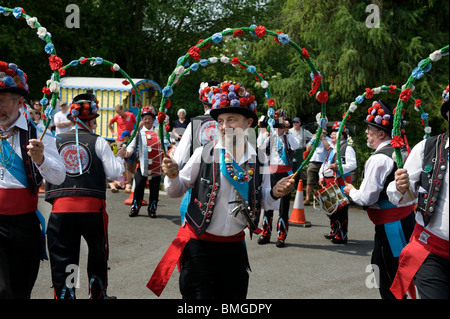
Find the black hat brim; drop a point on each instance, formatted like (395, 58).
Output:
(444, 109)
(14, 90)
(234, 109)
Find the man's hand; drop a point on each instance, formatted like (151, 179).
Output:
(402, 180)
(36, 151)
(348, 188)
(122, 151)
(170, 167)
(283, 187)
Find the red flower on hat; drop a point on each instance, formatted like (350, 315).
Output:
(238, 32)
(385, 122)
(194, 52)
(370, 118)
(260, 31)
(405, 95)
(55, 62)
(380, 112)
(369, 93)
(397, 141)
(224, 103)
(3, 66)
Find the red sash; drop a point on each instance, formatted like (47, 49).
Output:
(389, 215)
(421, 244)
(164, 270)
(17, 201)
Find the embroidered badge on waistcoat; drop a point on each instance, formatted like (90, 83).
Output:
(69, 154)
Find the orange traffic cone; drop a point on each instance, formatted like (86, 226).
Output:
(298, 212)
(129, 200)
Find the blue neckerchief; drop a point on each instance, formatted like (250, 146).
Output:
(18, 171)
(282, 152)
(241, 187)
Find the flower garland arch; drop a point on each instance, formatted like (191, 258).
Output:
(259, 31)
(93, 61)
(423, 67)
(20, 14)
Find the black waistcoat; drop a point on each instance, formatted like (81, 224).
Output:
(433, 172)
(201, 206)
(92, 181)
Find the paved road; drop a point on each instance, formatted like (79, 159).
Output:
(309, 267)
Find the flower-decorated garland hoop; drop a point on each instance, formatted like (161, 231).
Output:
(423, 67)
(369, 94)
(94, 61)
(195, 52)
(20, 14)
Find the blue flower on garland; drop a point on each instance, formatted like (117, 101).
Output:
(17, 12)
(251, 69)
(98, 60)
(194, 66)
(49, 48)
(217, 37)
(427, 68)
(417, 73)
(203, 62)
(424, 116)
(283, 38)
(359, 99)
(167, 91)
(44, 101)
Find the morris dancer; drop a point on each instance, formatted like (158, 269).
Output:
(24, 162)
(149, 167)
(78, 204)
(425, 260)
(329, 173)
(393, 224)
(228, 188)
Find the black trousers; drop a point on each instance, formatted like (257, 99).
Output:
(382, 255)
(64, 234)
(20, 253)
(212, 270)
(282, 224)
(139, 188)
(432, 278)
(339, 223)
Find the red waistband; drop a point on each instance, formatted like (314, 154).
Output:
(17, 201)
(78, 204)
(421, 244)
(384, 216)
(339, 180)
(163, 271)
(279, 168)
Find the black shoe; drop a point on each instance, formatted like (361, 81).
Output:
(328, 236)
(262, 240)
(152, 214)
(280, 243)
(339, 241)
(133, 212)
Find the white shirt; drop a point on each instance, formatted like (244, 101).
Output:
(321, 152)
(222, 223)
(349, 166)
(52, 168)
(112, 165)
(275, 159)
(61, 117)
(376, 170)
(439, 224)
(304, 136)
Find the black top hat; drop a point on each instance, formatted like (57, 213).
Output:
(84, 107)
(381, 116)
(233, 97)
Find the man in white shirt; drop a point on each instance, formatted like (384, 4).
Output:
(425, 260)
(230, 185)
(24, 162)
(393, 223)
(61, 121)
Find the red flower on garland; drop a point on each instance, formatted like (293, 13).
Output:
(238, 32)
(305, 53)
(417, 102)
(397, 141)
(405, 95)
(235, 61)
(276, 38)
(369, 93)
(322, 96)
(161, 117)
(260, 31)
(194, 52)
(392, 88)
(271, 102)
(46, 90)
(55, 62)
(168, 103)
(205, 46)
(83, 61)
(62, 72)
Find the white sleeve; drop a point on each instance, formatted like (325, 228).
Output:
(112, 165)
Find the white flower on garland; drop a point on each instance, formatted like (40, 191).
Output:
(54, 86)
(213, 60)
(41, 32)
(436, 55)
(224, 59)
(264, 84)
(116, 67)
(179, 70)
(353, 107)
(31, 22)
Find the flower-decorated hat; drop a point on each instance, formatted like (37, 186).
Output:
(279, 118)
(148, 110)
(445, 104)
(207, 90)
(13, 79)
(380, 115)
(233, 97)
(336, 126)
(84, 107)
